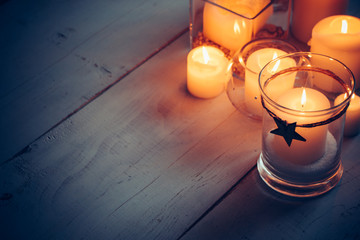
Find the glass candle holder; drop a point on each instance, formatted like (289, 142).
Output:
(229, 24)
(302, 123)
(243, 88)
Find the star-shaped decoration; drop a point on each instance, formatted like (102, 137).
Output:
(287, 131)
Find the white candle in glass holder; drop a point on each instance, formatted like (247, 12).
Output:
(230, 30)
(352, 119)
(254, 63)
(207, 71)
(339, 37)
(303, 101)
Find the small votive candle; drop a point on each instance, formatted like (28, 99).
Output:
(352, 119)
(208, 70)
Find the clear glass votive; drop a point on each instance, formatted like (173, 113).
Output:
(302, 124)
(243, 88)
(229, 24)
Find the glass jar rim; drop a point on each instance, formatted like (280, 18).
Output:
(335, 107)
(278, 44)
(249, 18)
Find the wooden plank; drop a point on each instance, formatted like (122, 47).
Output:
(142, 161)
(253, 211)
(56, 55)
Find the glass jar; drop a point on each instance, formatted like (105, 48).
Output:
(303, 122)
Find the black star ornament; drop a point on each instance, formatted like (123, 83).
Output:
(287, 131)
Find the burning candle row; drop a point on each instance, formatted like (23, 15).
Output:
(301, 97)
(209, 70)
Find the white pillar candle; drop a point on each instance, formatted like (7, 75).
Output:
(254, 63)
(339, 38)
(304, 101)
(207, 72)
(229, 29)
(306, 13)
(352, 119)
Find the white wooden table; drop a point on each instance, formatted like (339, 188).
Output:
(100, 139)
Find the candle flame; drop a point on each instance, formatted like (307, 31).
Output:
(236, 27)
(344, 26)
(303, 98)
(205, 55)
(276, 66)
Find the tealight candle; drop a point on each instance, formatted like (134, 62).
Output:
(303, 101)
(254, 63)
(352, 120)
(207, 71)
(339, 38)
(231, 30)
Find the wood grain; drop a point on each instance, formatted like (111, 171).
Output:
(58, 55)
(253, 211)
(142, 161)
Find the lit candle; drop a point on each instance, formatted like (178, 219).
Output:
(352, 120)
(254, 63)
(304, 101)
(207, 71)
(306, 13)
(339, 37)
(229, 29)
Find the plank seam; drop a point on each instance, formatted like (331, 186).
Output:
(216, 203)
(101, 92)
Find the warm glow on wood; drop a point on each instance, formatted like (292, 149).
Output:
(344, 26)
(205, 55)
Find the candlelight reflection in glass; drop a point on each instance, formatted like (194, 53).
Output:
(303, 125)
